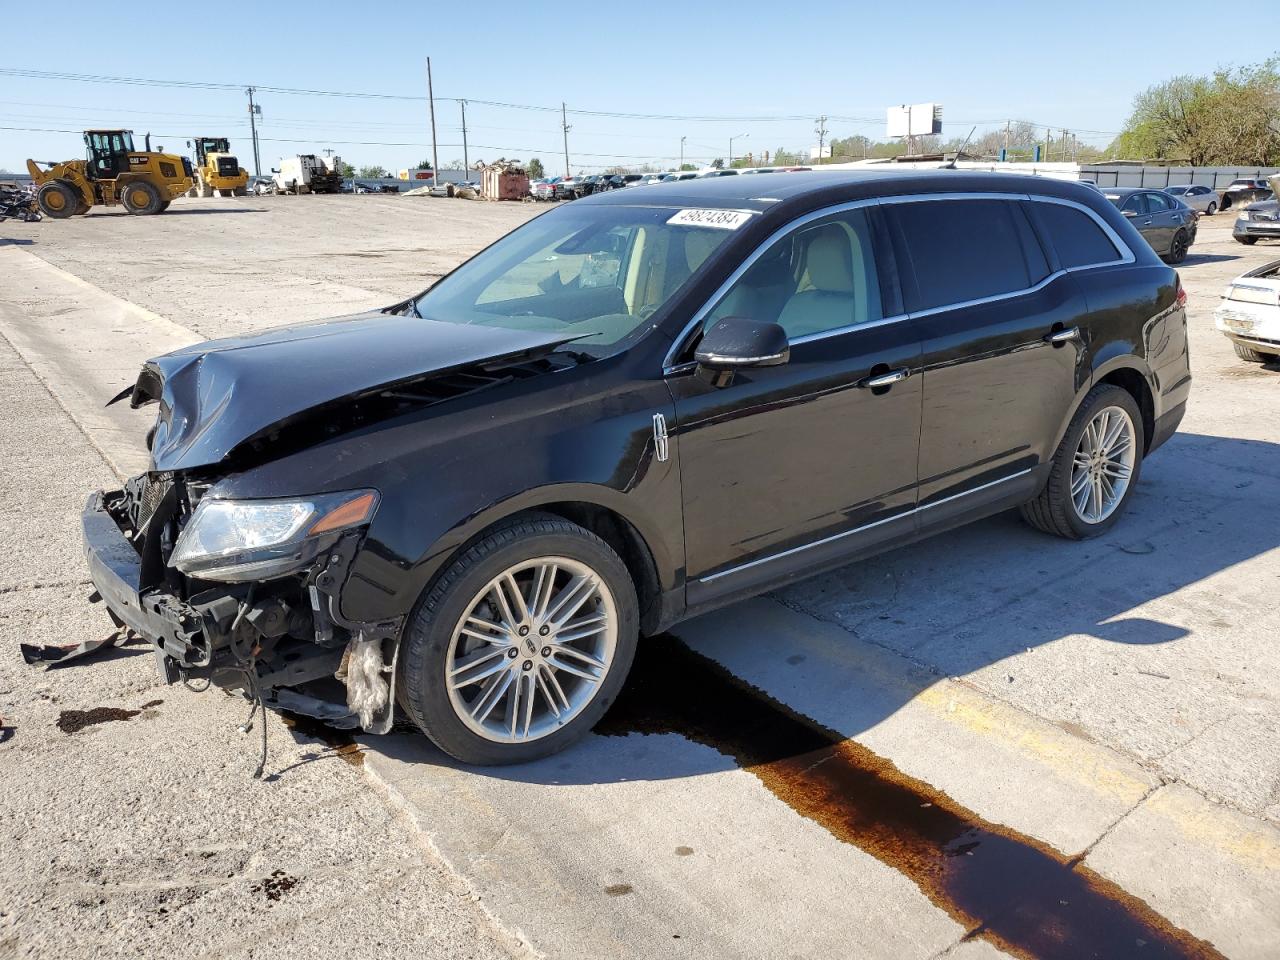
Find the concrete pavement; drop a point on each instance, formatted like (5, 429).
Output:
(1112, 702)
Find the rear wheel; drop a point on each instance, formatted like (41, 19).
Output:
(1095, 468)
(1247, 241)
(1178, 249)
(1248, 353)
(1211, 209)
(58, 199)
(522, 644)
(140, 197)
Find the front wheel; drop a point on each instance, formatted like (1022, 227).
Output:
(1095, 468)
(522, 644)
(57, 199)
(141, 198)
(1248, 353)
(1247, 241)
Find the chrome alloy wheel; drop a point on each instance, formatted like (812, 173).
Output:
(532, 649)
(1103, 464)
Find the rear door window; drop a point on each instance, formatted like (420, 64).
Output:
(1158, 203)
(1076, 236)
(962, 250)
(1135, 204)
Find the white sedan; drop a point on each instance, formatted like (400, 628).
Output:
(1250, 314)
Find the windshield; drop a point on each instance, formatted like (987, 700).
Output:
(593, 272)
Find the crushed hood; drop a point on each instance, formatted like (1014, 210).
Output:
(218, 394)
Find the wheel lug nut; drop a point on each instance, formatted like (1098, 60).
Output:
(546, 651)
(513, 653)
(524, 631)
(544, 631)
(528, 665)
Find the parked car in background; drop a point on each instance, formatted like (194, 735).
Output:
(1245, 190)
(760, 170)
(650, 178)
(713, 172)
(1197, 196)
(541, 458)
(794, 169)
(566, 188)
(1166, 223)
(1249, 314)
(261, 186)
(544, 189)
(631, 179)
(681, 175)
(1257, 221)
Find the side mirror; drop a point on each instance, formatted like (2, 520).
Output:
(275, 170)
(739, 342)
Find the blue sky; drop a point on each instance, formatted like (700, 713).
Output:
(1077, 69)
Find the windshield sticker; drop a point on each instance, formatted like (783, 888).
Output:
(717, 219)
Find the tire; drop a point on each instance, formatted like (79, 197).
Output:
(1247, 241)
(58, 200)
(464, 591)
(1178, 248)
(164, 206)
(1248, 353)
(1053, 510)
(1210, 210)
(141, 198)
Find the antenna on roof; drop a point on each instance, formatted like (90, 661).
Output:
(951, 164)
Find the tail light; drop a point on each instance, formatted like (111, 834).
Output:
(1182, 293)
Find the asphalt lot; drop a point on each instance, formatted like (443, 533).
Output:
(1099, 720)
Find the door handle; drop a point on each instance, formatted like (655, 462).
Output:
(885, 379)
(1063, 336)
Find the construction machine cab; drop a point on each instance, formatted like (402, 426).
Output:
(108, 153)
(207, 145)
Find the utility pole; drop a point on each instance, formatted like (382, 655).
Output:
(564, 125)
(254, 112)
(682, 140)
(431, 100)
(821, 131)
(466, 159)
(731, 139)
(1006, 138)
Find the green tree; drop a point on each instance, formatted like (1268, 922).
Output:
(535, 170)
(373, 172)
(718, 163)
(423, 165)
(346, 170)
(1231, 117)
(688, 166)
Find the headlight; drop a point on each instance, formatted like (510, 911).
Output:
(237, 540)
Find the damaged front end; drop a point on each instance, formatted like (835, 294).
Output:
(245, 594)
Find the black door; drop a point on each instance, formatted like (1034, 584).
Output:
(1163, 220)
(791, 467)
(1001, 349)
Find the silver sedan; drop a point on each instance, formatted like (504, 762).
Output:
(1197, 196)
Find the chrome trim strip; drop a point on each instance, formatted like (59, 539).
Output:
(1126, 256)
(866, 526)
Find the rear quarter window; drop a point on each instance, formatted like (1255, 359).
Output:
(962, 250)
(1078, 239)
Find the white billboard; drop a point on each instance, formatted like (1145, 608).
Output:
(914, 120)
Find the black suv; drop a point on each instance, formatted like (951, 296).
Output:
(475, 502)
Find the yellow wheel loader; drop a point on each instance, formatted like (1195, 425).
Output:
(217, 168)
(113, 172)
